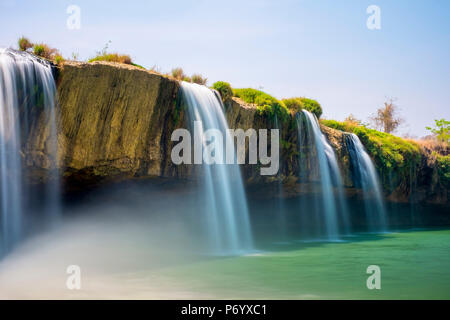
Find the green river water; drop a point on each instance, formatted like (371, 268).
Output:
(414, 265)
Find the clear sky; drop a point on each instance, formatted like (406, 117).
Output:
(320, 49)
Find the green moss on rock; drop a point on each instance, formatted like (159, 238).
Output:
(266, 104)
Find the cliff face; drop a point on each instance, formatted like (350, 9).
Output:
(115, 122)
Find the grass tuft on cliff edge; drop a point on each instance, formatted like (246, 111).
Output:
(112, 57)
(115, 57)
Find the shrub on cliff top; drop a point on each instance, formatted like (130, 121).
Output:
(40, 49)
(297, 104)
(199, 79)
(266, 104)
(113, 57)
(224, 88)
(178, 73)
(312, 106)
(58, 59)
(44, 51)
(294, 104)
(24, 44)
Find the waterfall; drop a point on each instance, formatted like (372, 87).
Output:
(332, 204)
(223, 191)
(27, 97)
(365, 177)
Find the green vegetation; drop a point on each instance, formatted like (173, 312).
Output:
(103, 55)
(58, 59)
(299, 103)
(137, 65)
(443, 166)
(224, 88)
(265, 103)
(44, 51)
(176, 114)
(294, 104)
(24, 44)
(339, 125)
(441, 130)
(390, 151)
(40, 49)
(393, 155)
(312, 106)
(289, 150)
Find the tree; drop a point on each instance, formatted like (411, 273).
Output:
(441, 131)
(386, 118)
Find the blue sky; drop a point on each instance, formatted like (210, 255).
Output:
(320, 49)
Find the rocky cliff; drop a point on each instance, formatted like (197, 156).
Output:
(115, 122)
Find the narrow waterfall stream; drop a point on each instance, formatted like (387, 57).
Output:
(223, 192)
(365, 177)
(27, 95)
(331, 204)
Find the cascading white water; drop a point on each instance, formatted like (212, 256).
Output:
(332, 206)
(27, 92)
(223, 191)
(365, 176)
